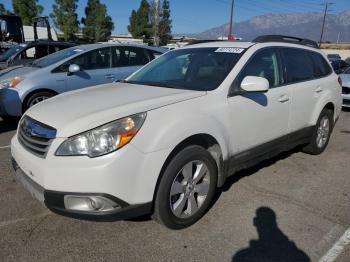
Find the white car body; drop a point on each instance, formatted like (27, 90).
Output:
(131, 173)
(345, 77)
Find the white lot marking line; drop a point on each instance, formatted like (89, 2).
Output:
(7, 223)
(3, 147)
(337, 248)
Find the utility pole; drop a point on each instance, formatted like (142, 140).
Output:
(324, 19)
(338, 38)
(157, 18)
(230, 36)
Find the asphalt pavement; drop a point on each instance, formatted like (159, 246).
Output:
(294, 207)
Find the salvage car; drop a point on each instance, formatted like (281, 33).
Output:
(27, 52)
(67, 70)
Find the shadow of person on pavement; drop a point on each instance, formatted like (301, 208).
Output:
(272, 245)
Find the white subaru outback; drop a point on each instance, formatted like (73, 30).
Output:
(163, 140)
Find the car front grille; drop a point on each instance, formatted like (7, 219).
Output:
(345, 90)
(35, 137)
(346, 102)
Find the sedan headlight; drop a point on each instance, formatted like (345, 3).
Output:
(10, 82)
(104, 139)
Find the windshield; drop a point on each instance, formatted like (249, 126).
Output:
(347, 71)
(56, 57)
(201, 69)
(12, 51)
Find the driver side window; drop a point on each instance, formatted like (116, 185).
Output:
(95, 59)
(265, 63)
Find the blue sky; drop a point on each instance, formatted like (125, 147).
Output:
(191, 16)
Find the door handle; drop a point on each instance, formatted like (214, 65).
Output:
(318, 90)
(283, 98)
(109, 76)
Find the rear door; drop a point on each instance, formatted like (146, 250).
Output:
(95, 69)
(304, 84)
(127, 59)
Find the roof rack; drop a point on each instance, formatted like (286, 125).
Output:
(286, 39)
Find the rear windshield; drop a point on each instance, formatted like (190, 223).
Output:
(199, 69)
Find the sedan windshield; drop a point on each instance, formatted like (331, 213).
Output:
(201, 69)
(56, 57)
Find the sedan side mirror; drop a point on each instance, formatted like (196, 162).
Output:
(73, 68)
(255, 84)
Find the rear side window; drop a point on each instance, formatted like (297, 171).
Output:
(297, 65)
(319, 66)
(129, 56)
(35, 52)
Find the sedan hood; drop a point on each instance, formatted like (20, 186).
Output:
(14, 71)
(78, 111)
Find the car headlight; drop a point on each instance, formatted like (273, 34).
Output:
(104, 139)
(10, 82)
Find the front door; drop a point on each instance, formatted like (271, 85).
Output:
(95, 69)
(258, 118)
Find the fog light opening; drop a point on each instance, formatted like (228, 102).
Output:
(89, 203)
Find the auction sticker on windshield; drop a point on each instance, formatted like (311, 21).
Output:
(234, 50)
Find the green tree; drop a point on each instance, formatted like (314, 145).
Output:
(65, 18)
(98, 25)
(165, 24)
(139, 21)
(4, 11)
(27, 10)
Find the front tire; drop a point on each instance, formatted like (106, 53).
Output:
(186, 189)
(37, 98)
(321, 133)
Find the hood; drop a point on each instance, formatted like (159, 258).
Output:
(78, 111)
(16, 71)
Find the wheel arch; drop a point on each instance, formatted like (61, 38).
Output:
(33, 92)
(201, 139)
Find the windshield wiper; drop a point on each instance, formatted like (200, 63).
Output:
(157, 84)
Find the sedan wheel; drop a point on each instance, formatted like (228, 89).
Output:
(37, 100)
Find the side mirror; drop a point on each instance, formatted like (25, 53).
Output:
(73, 68)
(255, 84)
(3, 27)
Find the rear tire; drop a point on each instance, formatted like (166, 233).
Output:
(37, 98)
(186, 189)
(321, 133)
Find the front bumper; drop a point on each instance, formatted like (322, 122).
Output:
(346, 100)
(10, 102)
(54, 200)
(127, 176)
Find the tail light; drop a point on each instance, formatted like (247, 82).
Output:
(340, 81)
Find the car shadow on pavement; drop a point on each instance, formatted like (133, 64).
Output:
(234, 178)
(272, 244)
(6, 126)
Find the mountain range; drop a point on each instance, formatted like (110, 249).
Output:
(306, 25)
